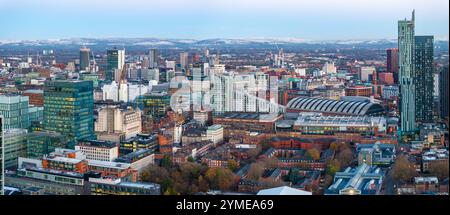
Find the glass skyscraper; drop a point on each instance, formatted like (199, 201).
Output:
(15, 111)
(115, 60)
(406, 75)
(84, 59)
(423, 80)
(68, 109)
(2, 155)
(444, 91)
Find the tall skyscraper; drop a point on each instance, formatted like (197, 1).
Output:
(2, 155)
(443, 94)
(184, 59)
(84, 58)
(153, 57)
(69, 109)
(406, 75)
(115, 60)
(392, 62)
(423, 78)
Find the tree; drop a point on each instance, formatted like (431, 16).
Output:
(220, 178)
(191, 159)
(345, 156)
(403, 170)
(255, 171)
(232, 165)
(254, 152)
(166, 161)
(202, 184)
(439, 169)
(333, 166)
(271, 162)
(314, 154)
(334, 146)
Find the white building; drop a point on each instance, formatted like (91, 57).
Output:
(98, 150)
(112, 119)
(365, 72)
(329, 68)
(215, 133)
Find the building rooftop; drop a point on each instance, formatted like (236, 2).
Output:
(335, 107)
(284, 190)
(108, 164)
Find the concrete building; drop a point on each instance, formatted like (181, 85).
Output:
(15, 146)
(99, 150)
(113, 119)
(214, 133)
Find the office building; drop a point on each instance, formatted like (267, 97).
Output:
(443, 92)
(68, 109)
(114, 119)
(115, 60)
(40, 143)
(14, 109)
(423, 78)
(366, 74)
(155, 104)
(140, 141)
(153, 58)
(392, 62)
(84, 59)
(35, 97)
(15, 146)
(358, 91)
(98, 150)
(184, 60)
(406, 75)
(2, 155)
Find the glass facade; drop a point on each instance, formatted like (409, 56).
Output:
(68, 109)
(115, 60)
(406, 75)
(423, 80)
(155, 105)
(15, 111)
(40, 143)
(15, 146)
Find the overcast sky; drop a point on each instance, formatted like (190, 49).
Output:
(201, 19)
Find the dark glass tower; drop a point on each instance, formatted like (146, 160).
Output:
(84, 59)
(115, 60)
(68, 109)
(443, 94)
(423, 78)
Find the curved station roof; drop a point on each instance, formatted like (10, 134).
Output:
(357, 107)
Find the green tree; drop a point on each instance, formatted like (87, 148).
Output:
(314, 154)
(232, 165)
(332, 167)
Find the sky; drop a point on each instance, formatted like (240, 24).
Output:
(203, 19)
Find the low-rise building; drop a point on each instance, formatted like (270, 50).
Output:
(362, 180)
(99, 150)
(115, 186)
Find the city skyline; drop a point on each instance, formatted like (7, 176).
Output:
(319, 20)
